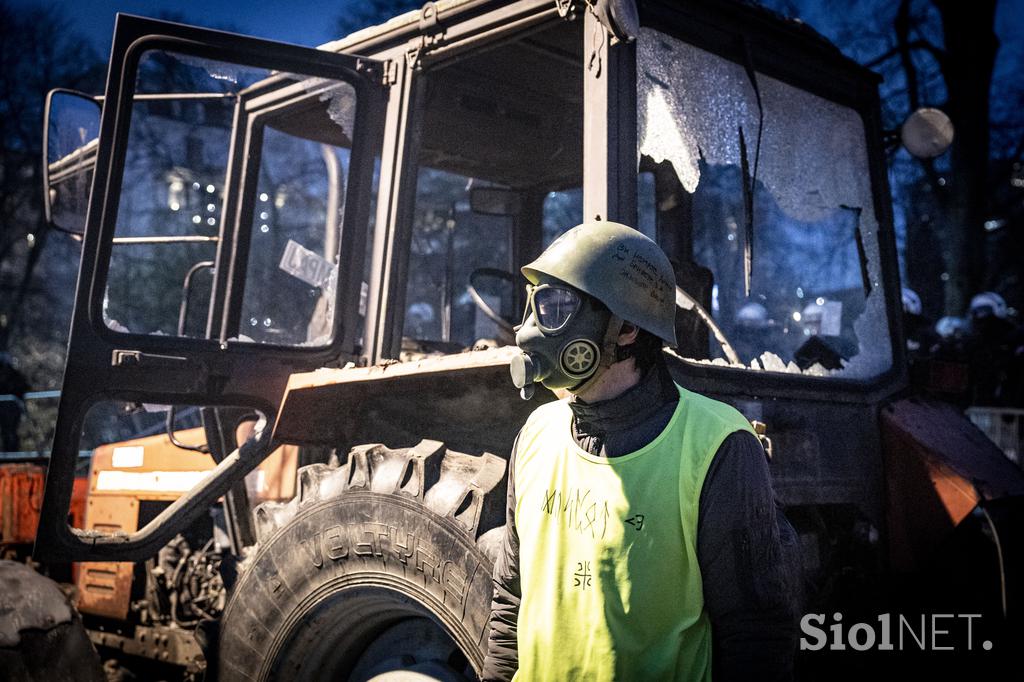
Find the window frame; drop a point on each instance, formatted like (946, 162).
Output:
(794, 54)
(104, 364)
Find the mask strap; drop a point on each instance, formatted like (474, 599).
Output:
(611, 340)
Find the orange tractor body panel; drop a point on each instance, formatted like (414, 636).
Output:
(21, 497)
(125, 475)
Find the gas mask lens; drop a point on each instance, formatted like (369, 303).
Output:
(561, 339)
(553, 306)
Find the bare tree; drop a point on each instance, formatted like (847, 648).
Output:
(38, 51)
(939, 53)
(966, 62)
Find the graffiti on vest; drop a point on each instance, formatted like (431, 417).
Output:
(578, 511)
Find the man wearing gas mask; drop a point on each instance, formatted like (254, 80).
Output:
(642, 538)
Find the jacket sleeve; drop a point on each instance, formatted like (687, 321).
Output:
(745, 548)
(502, 659)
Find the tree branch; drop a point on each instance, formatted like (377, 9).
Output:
(914, 45)
(902, 28)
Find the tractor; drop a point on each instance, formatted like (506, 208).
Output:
(318, 250)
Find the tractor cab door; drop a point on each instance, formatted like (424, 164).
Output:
(223, 250)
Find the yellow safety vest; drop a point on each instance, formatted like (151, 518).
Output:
(611, 587)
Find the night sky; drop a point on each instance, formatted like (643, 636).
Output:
(304, 22)
(312, 22)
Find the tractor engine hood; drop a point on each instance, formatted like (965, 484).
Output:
(939, 468)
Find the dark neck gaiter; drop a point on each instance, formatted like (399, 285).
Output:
(629, 421)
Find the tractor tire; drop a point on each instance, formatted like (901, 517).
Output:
(41, 634)
(378, 569)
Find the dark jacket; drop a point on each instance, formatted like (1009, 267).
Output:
(743, 541)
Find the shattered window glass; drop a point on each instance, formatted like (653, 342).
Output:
(805, 296)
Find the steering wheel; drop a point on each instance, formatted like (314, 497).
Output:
(484, 307)
(687, 302)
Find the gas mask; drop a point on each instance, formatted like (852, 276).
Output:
(567, 339)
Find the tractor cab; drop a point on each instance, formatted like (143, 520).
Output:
(321, 248)
(260, 210)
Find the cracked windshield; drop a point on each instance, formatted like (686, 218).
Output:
(762, 193)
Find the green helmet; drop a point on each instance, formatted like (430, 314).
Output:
(618, 266)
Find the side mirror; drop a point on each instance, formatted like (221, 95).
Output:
(71, 126)
(496, 201)
(927, 133)
(620, 17)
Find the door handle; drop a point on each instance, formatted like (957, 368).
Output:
(135, 358)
